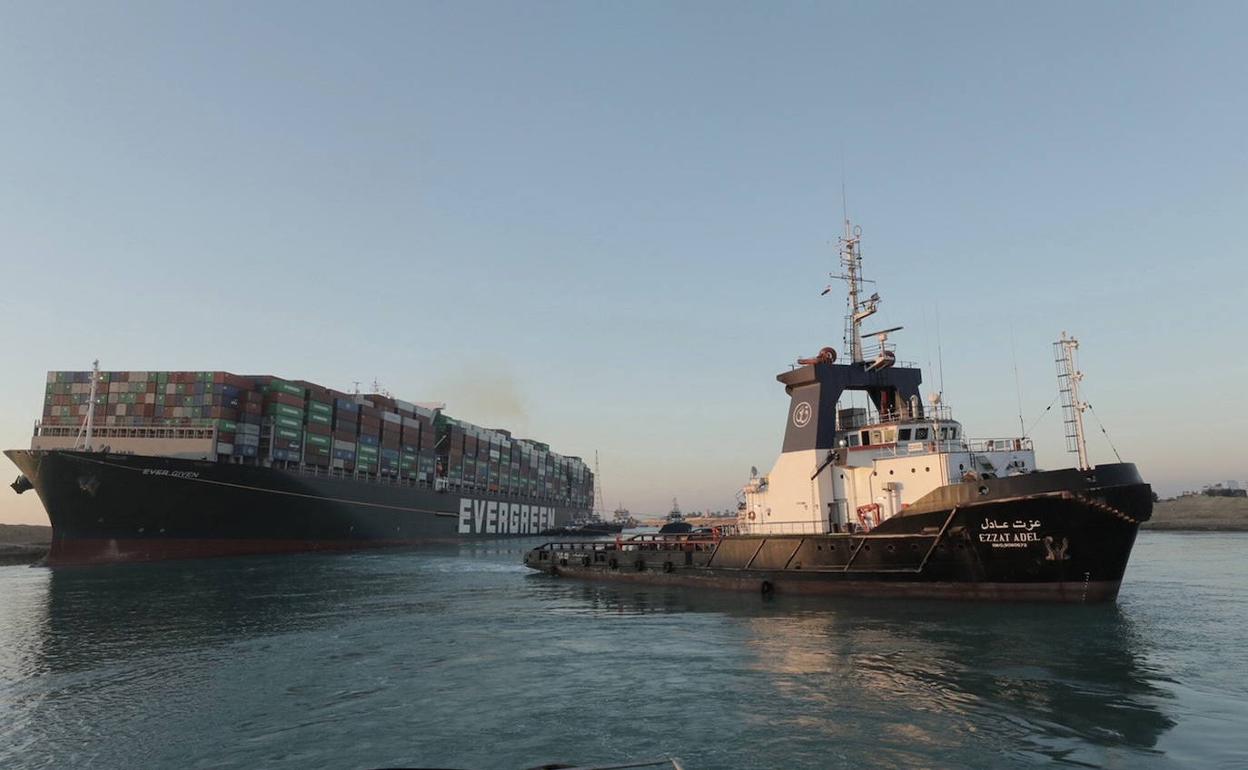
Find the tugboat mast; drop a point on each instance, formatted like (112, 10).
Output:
(1068, 378)
(857, 309)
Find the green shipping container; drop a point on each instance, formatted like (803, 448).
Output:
(281, 386)
(286, 433)
(285, 409)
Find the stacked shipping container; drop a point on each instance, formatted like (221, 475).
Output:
(263, 418)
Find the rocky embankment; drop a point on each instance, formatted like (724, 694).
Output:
(23, 543)
(1200, 513)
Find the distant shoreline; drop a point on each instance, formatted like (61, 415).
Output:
(1200, 513)
(23, 543)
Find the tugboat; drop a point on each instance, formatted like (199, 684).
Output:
(675, 523)
(893, 499)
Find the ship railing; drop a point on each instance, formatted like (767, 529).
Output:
(977, 446)
(399, 481)
(676, 542)
(784, 528)
(930, 413)
(985, 445)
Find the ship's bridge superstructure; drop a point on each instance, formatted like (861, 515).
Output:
(848, 467)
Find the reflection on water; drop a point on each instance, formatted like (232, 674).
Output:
(1057, 681)
(101, 615)
(459, 657)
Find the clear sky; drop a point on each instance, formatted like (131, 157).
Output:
(607, 224)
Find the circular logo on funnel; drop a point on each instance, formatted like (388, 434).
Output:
(801, 414)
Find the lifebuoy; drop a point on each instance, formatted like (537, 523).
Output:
(867, 515)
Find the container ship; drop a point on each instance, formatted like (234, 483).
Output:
(145, 465)
(876, 493)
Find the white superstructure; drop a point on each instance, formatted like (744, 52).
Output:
(851, 467)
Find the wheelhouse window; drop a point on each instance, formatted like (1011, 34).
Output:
(877, 436)
(903, 434)
(920, 434)
(890, 436)
(866, 437)
(853, 439)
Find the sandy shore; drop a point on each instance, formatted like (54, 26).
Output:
(1200, 513)
(23, 543)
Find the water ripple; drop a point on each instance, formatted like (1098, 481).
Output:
(457, 656)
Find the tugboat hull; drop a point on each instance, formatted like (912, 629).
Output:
(1068, 538)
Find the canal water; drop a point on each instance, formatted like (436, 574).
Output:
(457, 657)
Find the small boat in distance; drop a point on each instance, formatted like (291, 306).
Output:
(675, 524)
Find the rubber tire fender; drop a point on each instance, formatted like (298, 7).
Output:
(668, 566)
(767, 589)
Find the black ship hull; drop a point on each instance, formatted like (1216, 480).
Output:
(117, 508)
(1054, 536)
